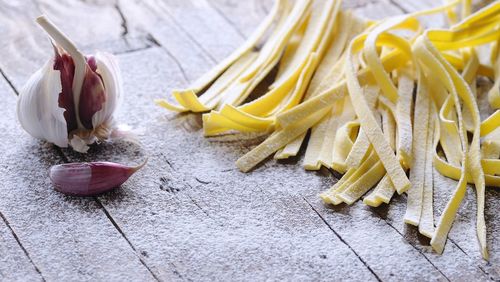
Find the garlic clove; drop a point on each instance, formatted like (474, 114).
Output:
(92, 95)
(37, 107)
(87, 179)
(66, 67)
(28, 100)
(53, 121)
(108, 69)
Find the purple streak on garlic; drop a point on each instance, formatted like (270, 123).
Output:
(88, 179)
(72, 98)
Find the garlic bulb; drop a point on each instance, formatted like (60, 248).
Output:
(72, 98)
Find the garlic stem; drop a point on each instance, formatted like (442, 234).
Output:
(78, 58)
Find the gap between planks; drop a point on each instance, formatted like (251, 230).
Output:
(21, 245)
(342, 240)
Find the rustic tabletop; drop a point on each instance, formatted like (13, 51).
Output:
(190, 214)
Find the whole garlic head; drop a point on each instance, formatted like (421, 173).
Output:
(72, 98)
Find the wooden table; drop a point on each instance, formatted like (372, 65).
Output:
(190, 214)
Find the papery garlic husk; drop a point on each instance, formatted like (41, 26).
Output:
(71, 100)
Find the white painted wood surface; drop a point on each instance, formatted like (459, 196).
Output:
(189, 214)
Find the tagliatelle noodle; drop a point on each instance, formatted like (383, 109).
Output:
(417, 173)
(494, 93)
(361, 145)
(426, 225)
(404, 125)
(342, 143)
(350, 178)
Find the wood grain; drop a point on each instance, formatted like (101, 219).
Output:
(189, 214)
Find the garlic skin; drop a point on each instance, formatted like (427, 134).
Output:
(72, 98)
(38, 110)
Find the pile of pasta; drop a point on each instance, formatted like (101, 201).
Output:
(382, 100)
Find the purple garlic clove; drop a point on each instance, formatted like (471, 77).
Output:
(65, 65)
(93, 94)
(87, 179)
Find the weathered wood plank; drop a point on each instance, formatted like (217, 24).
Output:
(90, 25)
(15, 264)
(389, 255)
(191, 31)
(394, 11)
(166, 271)
(243, 15)
(454, 263)
(67, 238)
(189, 212)
(207, 28)
(192, 62)
(39, 42)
